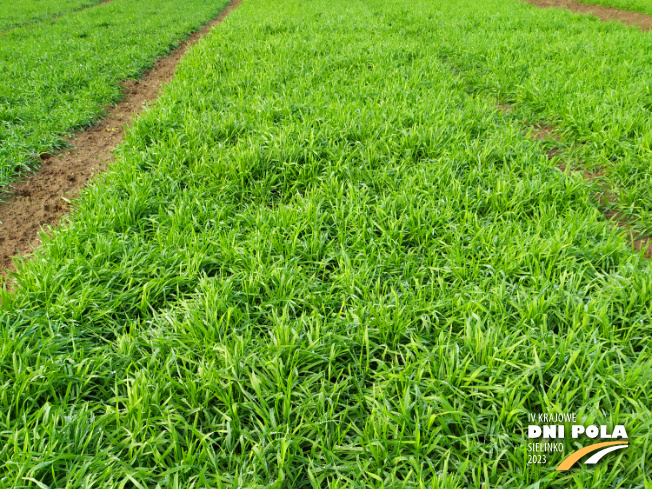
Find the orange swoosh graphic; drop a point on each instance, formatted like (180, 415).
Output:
(575, 456)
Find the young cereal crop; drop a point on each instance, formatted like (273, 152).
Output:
(16, 13)
(590, 80)
(59, 76)
(325, 258)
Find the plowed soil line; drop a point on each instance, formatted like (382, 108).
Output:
(42, 199)
(643, 21)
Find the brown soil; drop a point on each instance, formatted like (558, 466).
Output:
(543, 132)
(624, 223)
(643, 21)
(643, 244)
(43, 198)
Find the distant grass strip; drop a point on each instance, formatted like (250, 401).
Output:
(642, 6)
(319, 262)
(17, 13)
(59, 76)
(589, 79)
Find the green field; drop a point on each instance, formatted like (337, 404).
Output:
(14, 13)
(325, 258)
(591, 80)
(59, 76)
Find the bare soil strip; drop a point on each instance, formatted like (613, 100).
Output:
(43, 198)
(606, 14)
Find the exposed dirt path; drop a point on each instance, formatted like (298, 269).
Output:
(643, 21)
(43, 198)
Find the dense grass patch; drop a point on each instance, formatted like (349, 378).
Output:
(15, 13)
(642, 6)
(59, 76)
(320, 262)
(591, 80)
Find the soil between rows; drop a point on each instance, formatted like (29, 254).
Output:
(41, 199)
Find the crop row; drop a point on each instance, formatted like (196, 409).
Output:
(591, 80)
(59, 76)
(13, 14)
(325, 258)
